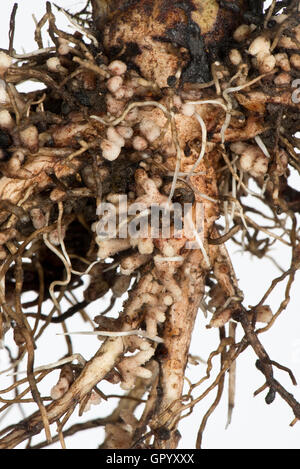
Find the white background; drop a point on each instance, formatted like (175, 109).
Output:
(254, 424)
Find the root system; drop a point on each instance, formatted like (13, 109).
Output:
(189, 102)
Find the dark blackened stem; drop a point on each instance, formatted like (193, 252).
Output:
(225, 237)
(12, 29)
(57, 319)
(264, 364)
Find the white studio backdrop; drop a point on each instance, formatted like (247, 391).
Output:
(254, 424)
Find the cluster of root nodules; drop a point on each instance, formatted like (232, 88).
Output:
(97, 131)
